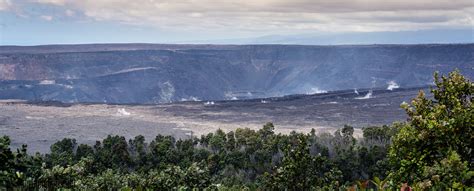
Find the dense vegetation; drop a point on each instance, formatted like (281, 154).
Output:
(432, 150)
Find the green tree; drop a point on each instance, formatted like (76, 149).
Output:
(62, 152)
(84, 150)
(113, 153)
(8, 170)
(293, 174)
(196, 176)
(450, 172)
(138, 151)
(163, 151)
(218, 141)
(301, 171)
(435, 129)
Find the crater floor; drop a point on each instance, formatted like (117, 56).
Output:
(39, 124)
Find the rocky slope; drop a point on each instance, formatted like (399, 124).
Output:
(157, 73)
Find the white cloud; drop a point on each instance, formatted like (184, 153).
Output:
(69, 12)
(278, 15)
(54, 2)
(46, 17)
(5, 5)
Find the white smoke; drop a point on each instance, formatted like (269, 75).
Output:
(316, 91)
(47, 82)
(367, 96)
(392, 85)
(263, 101)
(167, 92)
(231, 96)
(356, 92)
(374, 81)
(122, 112)
(209, 103)
(66, 86)
(194, 98)
(191, 98)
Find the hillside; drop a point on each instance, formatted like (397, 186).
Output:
(160, 73)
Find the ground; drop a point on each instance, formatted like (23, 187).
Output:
(41, 124)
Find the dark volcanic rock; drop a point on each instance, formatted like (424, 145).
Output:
(152, 73)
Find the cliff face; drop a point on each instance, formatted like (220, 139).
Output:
(147, 73)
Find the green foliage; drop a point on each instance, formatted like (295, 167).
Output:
(62, 152)
(436, 129)
(380, 184)
(16, 167)
(302, 171)
(84, 151)
(450, 172)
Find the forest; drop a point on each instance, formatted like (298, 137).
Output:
(431, 150)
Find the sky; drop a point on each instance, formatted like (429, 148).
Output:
(35, 22)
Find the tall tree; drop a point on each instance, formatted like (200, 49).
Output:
(436, 129)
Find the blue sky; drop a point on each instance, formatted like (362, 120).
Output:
(34, 22)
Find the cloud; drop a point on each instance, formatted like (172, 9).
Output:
(5, 5)
(46, 17)
(280, 16)
(54, 2)
(69, 12)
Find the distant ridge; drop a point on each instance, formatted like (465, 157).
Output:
(163, 73)
(97, 47)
